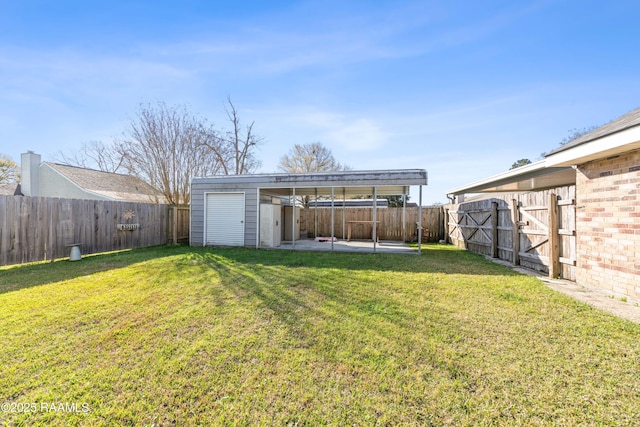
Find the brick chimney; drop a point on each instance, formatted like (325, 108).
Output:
(30, 176)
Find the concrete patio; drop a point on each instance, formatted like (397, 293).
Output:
(384, 246)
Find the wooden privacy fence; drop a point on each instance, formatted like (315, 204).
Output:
(317, 222)
(534, 230)
(42, 228)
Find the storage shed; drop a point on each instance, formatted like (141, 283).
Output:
(229, 210)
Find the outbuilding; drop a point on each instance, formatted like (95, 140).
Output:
(248, 210)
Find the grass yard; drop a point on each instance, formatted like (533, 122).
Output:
(185, 336)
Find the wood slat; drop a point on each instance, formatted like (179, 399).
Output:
(533, 219)
(540, 259)
(4, 229)
(563, 232)
(536, 245)
(554, 243)
(533, 232)
(515, 235)
(534, 208)
(472, 242)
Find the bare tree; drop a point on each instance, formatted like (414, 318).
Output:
(166, 146)
(576, 133)
(573, 134)
(236, 150)
(9, 170)
(94, 155)
(313, 157)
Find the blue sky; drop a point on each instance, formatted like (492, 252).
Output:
(460, 88)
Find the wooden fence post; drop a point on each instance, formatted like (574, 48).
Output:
(494, 229)
(446, 226)
(174, 210)
(515, 218)
(554, 247)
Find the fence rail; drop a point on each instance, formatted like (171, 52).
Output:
(42, 228)
(317, 222)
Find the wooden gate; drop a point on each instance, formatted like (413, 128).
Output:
(535, 230)
(476, 228)
(541, 241)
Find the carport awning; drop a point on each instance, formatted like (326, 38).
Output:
(394, 182)
(535, 176)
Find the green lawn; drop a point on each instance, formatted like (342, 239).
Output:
(183, 336)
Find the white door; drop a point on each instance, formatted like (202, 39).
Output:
(224, 223)
(270, 225)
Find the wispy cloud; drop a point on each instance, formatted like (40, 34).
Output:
(292, 42)
(48, 82)
(359, 135)
(344, 131)
(349, 35)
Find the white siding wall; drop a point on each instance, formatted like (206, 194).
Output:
(52, 184)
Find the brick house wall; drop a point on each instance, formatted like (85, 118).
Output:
(608, 224)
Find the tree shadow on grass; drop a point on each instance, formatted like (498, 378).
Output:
(290, 283)
(17, 277)
(286, 281)
(435, 258)
(296, 298)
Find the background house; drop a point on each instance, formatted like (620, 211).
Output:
(56, 180)
(602, 169)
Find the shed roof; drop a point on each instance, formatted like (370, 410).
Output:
(351, 183)
(112, 185)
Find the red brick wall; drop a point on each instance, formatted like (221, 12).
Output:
(608, 224)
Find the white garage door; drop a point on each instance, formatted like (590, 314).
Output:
(224, 224)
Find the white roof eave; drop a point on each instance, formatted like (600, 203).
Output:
(555, 169)
(523, 178)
